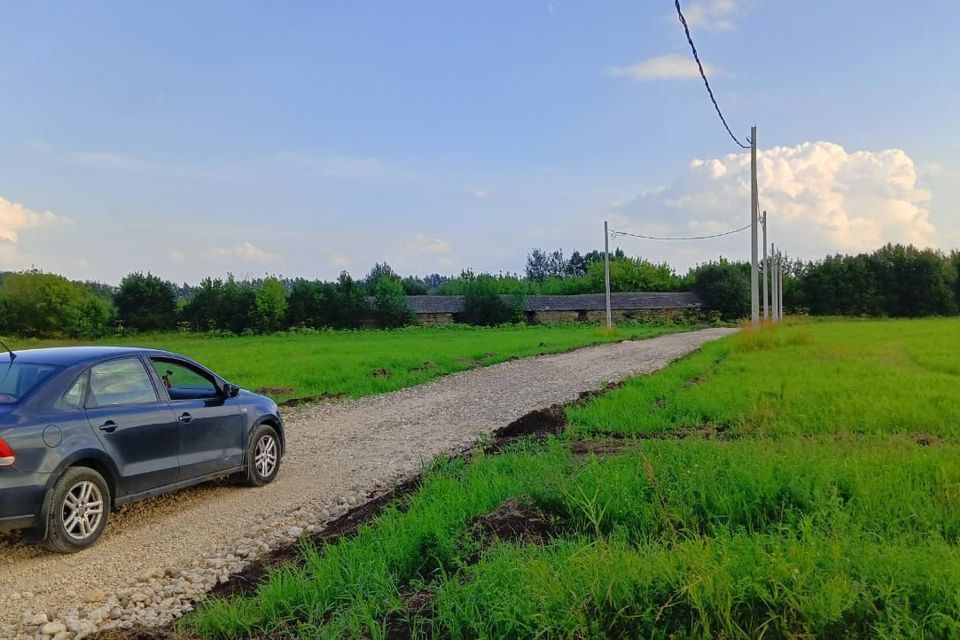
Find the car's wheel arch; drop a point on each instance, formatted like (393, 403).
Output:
(92, 459)
(276, 425)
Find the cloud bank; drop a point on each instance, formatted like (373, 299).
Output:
(821, 198)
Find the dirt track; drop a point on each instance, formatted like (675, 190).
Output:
(335, 451)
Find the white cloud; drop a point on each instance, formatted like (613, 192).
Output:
(479, 194)
(246, 251)
(668, 67)
(338, 260)
(421, 243)
(821, 198)
(15, 217)
(711, 14)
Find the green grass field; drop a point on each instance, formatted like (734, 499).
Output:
(802, 481)
(362, 363)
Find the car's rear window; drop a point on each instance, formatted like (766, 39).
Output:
(18, 379)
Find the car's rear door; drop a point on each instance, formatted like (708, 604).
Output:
(210, 425)
(136, 428)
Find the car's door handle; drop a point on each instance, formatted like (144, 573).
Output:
(185, 418)
(109, 426)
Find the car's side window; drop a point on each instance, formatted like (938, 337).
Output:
(183, 382)
(76, 394)
(119, 382)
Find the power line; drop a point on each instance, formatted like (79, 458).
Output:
(715, 235)
(703, 75)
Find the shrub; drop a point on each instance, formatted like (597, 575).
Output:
(270, 306)
(390, 302)
(725, 287)
(45, 305)
(484, 305)
(146, 303)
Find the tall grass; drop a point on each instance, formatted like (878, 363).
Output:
(824, 521)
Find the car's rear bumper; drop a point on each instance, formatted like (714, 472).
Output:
(17, 522)
(21, 499)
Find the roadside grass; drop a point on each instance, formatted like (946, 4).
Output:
(817, 378)
(359, 363)
(793, 521)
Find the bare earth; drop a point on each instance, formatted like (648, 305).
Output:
(337, 454)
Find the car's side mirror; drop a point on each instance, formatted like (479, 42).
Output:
(231, 390)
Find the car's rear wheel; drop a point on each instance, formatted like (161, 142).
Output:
(263, 456)
(78, 511)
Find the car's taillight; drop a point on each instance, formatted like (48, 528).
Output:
(7, 457)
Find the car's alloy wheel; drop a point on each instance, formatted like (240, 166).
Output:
(263, 456)
(77, 510)
(82, 510)
(266, 455)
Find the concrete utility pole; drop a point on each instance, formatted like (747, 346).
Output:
(773, 279)
(782, 263)
(754, 211)
(765, 272)
(606, 271)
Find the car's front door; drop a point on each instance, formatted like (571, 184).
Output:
(210, 426)
(135, 427)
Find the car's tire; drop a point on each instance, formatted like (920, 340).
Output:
(262, 456)
(78, 510)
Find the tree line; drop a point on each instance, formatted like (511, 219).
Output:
(895, 280)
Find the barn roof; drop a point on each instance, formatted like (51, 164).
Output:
(580, 302)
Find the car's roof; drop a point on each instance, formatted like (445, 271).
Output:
(68, 356)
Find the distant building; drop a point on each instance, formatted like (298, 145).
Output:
(588, 307)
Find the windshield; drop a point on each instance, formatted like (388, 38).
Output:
(20, 378)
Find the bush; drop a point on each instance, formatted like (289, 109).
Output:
(146, 303)
(725, 287)
(390, 302)
(350, 304)
(311, 304)
(44, 305)
(484, 305)
(270, 306)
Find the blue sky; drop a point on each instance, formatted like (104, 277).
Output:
(192, 139)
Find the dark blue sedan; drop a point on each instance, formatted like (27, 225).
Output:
(84, 430)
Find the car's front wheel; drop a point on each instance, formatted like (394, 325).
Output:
(263, 456)
(78, 511)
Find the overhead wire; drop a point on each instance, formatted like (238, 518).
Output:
(703, 74)
(707, 237)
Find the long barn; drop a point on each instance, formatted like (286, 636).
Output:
(589, 307)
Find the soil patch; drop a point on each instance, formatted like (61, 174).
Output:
(323, 397)
(380, 373)
(582, 448)
(515, 521)
(274, 391)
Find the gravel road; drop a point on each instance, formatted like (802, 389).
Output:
(159, 555)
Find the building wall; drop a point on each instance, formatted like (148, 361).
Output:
(596, 317)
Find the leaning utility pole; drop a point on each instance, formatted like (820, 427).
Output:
(606, 271)
(754, 210)
(765, 272)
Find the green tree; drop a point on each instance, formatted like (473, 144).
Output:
(390, 302)
(45, 305)
(350, 303)
(483, 303)
(311, 304)
(146, 303)
(270, 306)
(724, 287)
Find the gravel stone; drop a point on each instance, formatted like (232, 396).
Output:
(339, 455)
